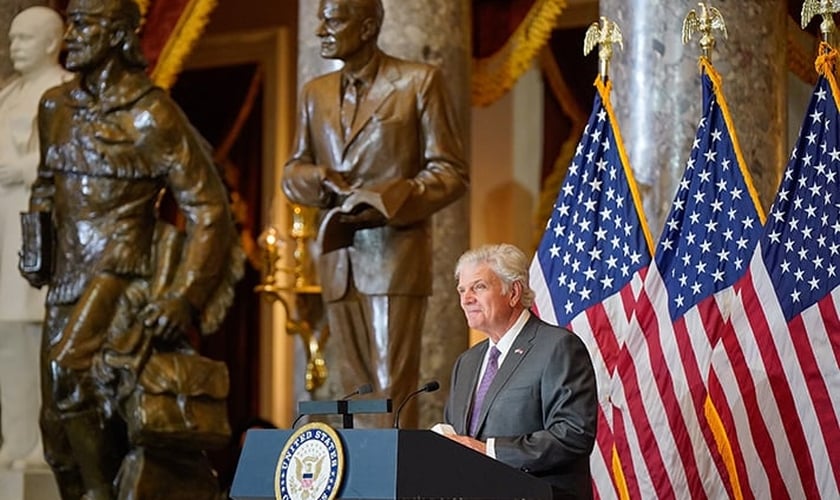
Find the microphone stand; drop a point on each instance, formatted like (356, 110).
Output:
(429, 387)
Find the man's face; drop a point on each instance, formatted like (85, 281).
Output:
(487, 308)
(88, 39)
(30, 45)
(341, 30)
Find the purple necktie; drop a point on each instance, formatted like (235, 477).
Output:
(483, 386)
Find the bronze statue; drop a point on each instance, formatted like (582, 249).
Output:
(378, 147)
(128, 406)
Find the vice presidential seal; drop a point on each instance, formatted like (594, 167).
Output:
(311, 465)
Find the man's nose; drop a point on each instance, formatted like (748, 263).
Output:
(321, 30)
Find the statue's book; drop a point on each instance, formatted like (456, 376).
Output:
(335, 233)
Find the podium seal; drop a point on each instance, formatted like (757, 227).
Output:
(311, 464)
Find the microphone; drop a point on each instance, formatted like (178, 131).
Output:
(362, 389)
(298, 419)
(429, 387)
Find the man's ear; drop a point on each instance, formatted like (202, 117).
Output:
(515, 293)
(54, 47)
(368, 29)
(117, 37)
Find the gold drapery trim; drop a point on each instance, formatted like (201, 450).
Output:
(181, 40)
(144, 6)
(495, 75)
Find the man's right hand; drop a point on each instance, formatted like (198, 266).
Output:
(335, 183)
(364, 218)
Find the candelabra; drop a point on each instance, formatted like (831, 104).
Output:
(303, 319)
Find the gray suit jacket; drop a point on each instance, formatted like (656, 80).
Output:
(541, 408)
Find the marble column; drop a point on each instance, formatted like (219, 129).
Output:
(657, 94)
(436, 32)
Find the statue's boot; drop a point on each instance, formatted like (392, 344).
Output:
(69, 482)
(96, 451)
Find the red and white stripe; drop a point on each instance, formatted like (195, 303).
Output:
(602, 328)
(659, 386)
(785, 410)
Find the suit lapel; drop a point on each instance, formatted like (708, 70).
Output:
(379, 91)
(332, 112)
(523, 343)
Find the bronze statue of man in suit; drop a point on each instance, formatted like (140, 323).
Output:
(527, 395)
(377, 143)
(111, 143)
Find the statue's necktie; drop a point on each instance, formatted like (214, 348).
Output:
(483, 386)
(349, 103)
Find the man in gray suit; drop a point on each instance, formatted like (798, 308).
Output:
(377, 146)
(527, 395)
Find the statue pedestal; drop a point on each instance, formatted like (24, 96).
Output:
(30, 484)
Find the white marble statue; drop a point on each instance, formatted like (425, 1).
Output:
(35, 41)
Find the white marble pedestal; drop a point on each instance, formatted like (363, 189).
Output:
(30, 484)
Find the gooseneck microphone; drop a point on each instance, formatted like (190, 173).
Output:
(362, 389)
(298, 419)
(429, 387)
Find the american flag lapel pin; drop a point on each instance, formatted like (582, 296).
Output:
(518, 351)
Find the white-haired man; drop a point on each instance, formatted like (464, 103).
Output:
(527, 395)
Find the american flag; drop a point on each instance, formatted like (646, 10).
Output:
(659, 384)
(588, 269)
(778, 369)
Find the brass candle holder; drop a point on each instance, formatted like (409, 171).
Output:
(305, 293)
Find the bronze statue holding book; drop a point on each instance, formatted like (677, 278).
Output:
(378, 149)
(128, 406)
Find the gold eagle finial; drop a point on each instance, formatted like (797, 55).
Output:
(824, 8)
(708, 20)
(604, 34)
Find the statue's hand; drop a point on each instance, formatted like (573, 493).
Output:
(335, 183)
(364, 218)
(36, 280)
(167, 318)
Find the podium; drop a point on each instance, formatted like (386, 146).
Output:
(391, 464)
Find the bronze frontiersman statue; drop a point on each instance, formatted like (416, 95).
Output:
(111, 143)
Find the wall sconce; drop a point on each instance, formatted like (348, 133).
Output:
(306, 294)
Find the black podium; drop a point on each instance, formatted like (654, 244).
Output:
(392, 464)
